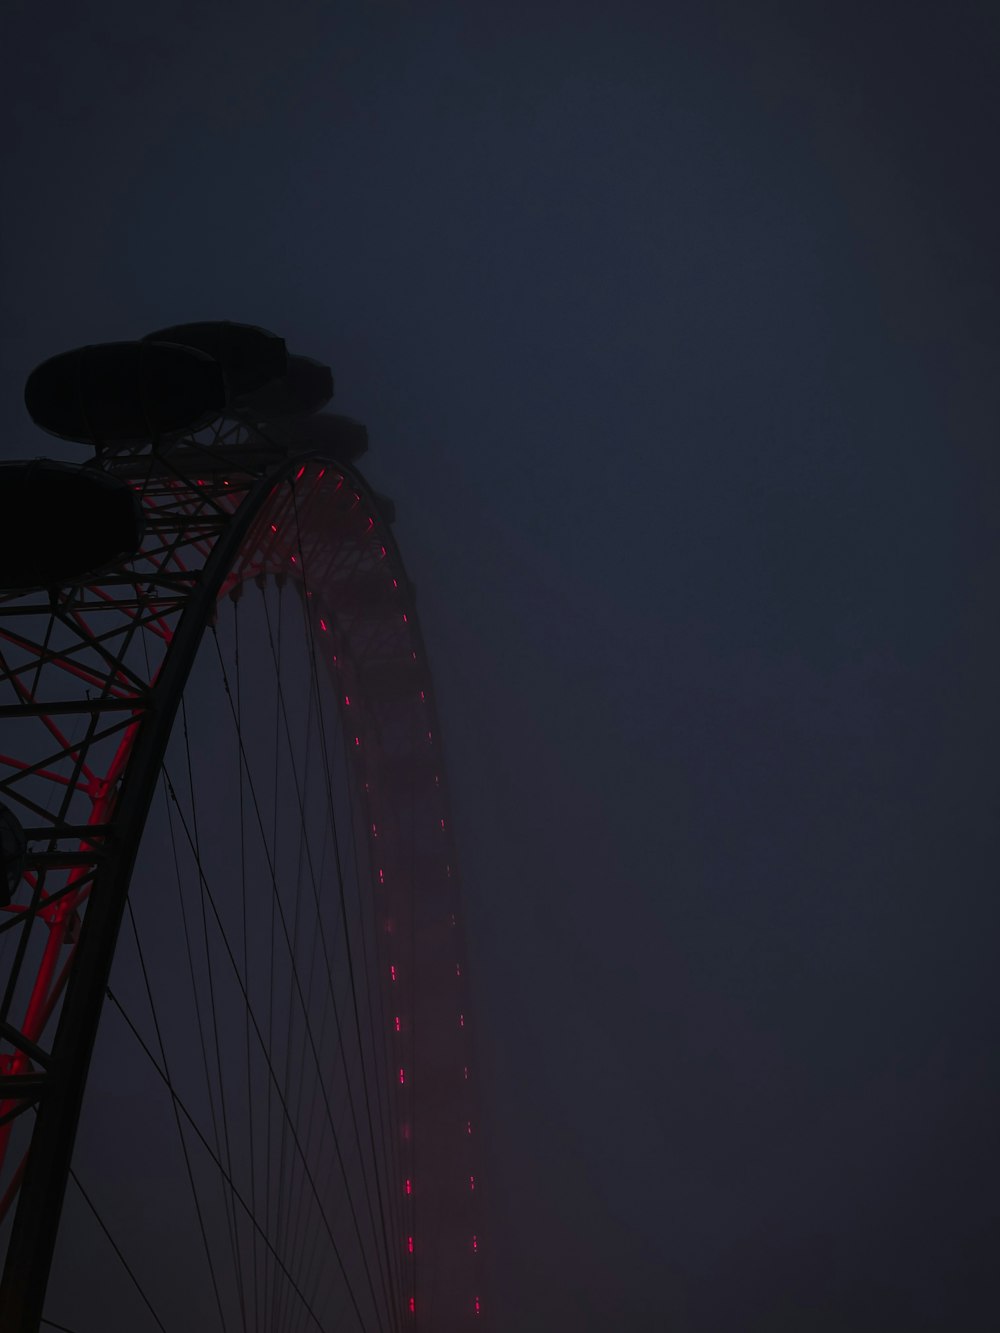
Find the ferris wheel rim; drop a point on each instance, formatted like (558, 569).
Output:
(138, 777)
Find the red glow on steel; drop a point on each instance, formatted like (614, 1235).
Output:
(477, 1305)
(398, 1028)
(402, 1076)
(475, 1242)
(383, 553)
(274, 528)
(404, 618)
(381, 876)
(300, 472)
(395, 583)
(423, 697)
(409, 1187)
(409, 1244)
(392, 972)
(413, 1305)
(347, 700)
(357, 740)
(322, 625)
(292, 558)
(321, 474)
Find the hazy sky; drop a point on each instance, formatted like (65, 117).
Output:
(676, 330)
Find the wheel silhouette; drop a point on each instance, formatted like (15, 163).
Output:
(225, 826)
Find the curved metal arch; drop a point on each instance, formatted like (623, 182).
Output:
(143, 713)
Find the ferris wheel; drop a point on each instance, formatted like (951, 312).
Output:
(237, 1087)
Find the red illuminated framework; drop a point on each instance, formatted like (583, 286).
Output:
(93, 678)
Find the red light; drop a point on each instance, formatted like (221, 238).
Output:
(321, 474)
(374, 831)
(423, 697)
(292, 558)
(405, 621)
(300, 472)
(477, 1305)
(409, 1244)
(472, 1182)
(398, 1028)
(458, 969)
(413, 1305)
(381, 876)
(461, 1020)
(402, 1076)
(475, 1243)
(468, 1126)
(273, 528)
(442, 823)
(347, 700)
(409, 1187)
(395, 583)
(392, 972)
(465, 1071)
(357, 740)
(322, 625)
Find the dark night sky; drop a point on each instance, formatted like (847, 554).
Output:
(676, 329)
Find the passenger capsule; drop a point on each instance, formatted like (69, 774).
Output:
(306, 386)
(125, 392)
(340, 437)
(59, 523)
(250, 357)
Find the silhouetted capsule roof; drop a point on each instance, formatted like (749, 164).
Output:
(250, 357)
(340, 437)
(125, 392)
(306, 386)
(59, 522)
